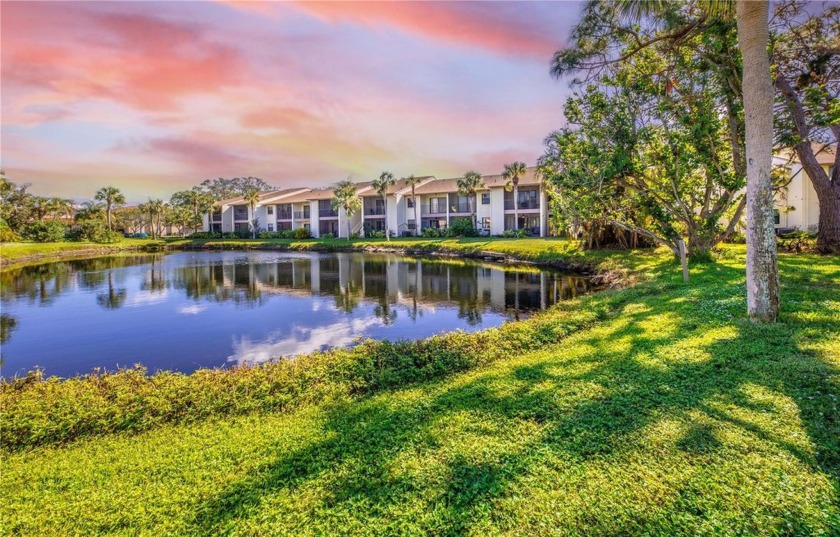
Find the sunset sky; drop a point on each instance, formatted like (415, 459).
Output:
(154, 97)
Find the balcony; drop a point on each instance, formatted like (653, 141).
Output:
(302, 215)
(327, 213)
(240, 214)
(284, 215)
(462, 207)
(524, 204)
(433, 208)
(375, 211)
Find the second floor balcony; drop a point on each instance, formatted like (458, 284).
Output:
(525, 203)
(302, 215)
(327, 213)
(284, 215)
(240, 213)
(462, 207)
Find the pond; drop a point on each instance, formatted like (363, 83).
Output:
(184, 311)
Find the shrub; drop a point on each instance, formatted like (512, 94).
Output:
(376, 234)
(272, 235)
(328, 235)
(461, 227)
(230, 235)
(94, 231)
(509, 233)
(43, 231)
(206, 235)
(301, 233)
(431, 232)
(50, 231)
(6, 233)
(354, 235)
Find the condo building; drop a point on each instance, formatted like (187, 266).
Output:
(434, 203)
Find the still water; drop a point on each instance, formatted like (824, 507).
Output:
(185, 311)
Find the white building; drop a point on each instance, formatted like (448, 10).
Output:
(438, 204)
(797, 205)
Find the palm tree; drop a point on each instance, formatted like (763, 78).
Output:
(751, 18)
(155, 210)
(112, 198)
(413, 182)
(58, 207)
(469, 185)
(345, 197)
(381, 185)
(252, 196)
(512, 174)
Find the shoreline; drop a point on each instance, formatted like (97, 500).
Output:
(586, 264)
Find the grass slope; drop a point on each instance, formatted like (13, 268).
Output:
(19, 253)
(671, 416)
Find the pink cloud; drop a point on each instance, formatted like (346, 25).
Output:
(470, 25)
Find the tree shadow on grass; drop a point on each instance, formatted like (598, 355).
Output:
(635, 382)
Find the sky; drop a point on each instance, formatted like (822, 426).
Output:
(154, 97)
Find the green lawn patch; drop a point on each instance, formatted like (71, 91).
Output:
(655, 410)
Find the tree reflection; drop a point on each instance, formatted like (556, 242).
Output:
(114, 298)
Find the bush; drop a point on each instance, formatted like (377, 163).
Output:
(327, 236)
(376, 234)
(301, 233)
(272, 235)
(230, 235)
(6, 233)
(515, 233)
(50, 231)
(431, 232)
(205, 235)
(461, 227)
(94, 231)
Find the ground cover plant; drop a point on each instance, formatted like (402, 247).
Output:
(668, 413)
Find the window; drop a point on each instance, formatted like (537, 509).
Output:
(411, 224)
(409, 202)
(270, 210)
(485, 223)
(485, 198)
(776, 217)
(271, 227)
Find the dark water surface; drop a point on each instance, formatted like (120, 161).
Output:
(185, 311)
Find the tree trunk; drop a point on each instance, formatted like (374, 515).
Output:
(516, 207)
(762, 271)
(108, 214)
(387, 231)
(416, 218)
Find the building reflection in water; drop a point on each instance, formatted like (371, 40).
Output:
(254, 306)
(387, 281)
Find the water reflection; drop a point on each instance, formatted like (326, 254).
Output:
(188, 310)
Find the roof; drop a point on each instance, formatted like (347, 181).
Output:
(320, 194)
(495, 181)
(284, 195)
(443, 186)
(265, 195)
(399, 186)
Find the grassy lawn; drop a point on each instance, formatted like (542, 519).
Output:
(14, 253)
(665, 414)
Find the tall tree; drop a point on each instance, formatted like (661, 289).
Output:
(806, 58)
(381, 186)
(469, 185)
(412, 182)
(112, 198)
(512, 173)
(673, 22)
(252, 196)
(762, 270)
(222, 188)
(196, 200)
(345, 197)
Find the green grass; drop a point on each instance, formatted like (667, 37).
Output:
(18, 253)
(665, 414)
